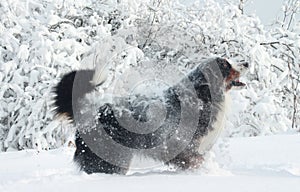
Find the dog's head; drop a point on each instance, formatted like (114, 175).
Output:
(232, 72)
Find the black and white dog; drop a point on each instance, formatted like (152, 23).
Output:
(110, 134)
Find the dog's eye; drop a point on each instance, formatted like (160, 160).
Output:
(226, 63)
(222, 62)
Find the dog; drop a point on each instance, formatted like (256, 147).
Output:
(194, 117)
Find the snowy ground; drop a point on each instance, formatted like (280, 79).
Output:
(251, 164)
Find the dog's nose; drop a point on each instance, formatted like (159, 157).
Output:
(246, 64)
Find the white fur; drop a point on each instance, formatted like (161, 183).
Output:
(217, 127)
(239, 67)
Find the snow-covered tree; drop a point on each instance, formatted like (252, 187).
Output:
(42, 40)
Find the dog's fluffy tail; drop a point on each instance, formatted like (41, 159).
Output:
(70, 89)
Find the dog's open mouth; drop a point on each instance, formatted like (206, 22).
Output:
(237, 83)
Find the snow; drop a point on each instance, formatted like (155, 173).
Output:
(266, 163)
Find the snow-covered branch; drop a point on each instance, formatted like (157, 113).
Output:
(40, 41)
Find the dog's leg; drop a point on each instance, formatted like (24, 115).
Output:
(185, 161)
(91, 163)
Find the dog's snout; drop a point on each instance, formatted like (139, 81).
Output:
(246, 64)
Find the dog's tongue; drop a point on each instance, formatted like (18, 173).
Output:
(237, 83)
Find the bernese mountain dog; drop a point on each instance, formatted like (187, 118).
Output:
(109, 134)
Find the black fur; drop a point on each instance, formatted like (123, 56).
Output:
(224, 66)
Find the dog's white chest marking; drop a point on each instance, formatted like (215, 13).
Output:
(208, 140)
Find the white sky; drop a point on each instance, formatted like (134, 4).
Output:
(266, 10)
